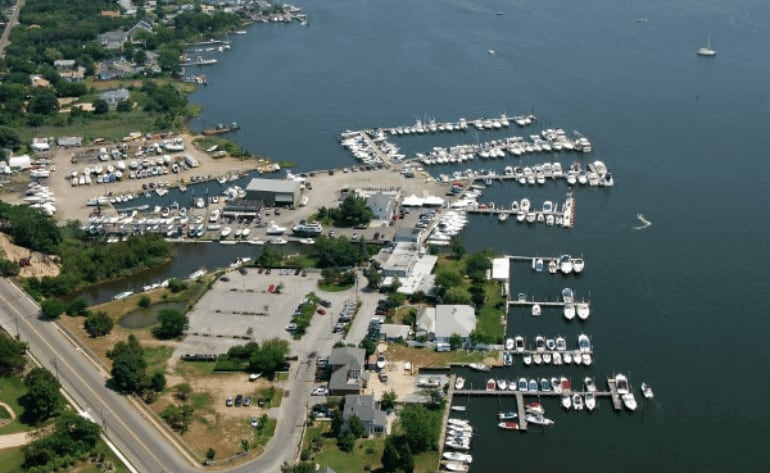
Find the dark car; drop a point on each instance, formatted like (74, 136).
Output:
(224, 279)
(325, 303)
(243, 271)
(239, 400)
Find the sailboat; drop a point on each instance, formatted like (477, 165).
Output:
(707, 50)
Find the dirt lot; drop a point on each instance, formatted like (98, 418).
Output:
(40, 264)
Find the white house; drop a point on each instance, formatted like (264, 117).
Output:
(443, 321)
(383, 205)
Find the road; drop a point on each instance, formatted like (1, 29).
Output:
(146, 446)
(12, 21)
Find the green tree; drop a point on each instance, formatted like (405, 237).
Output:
(12, 360)
(390, 457)
(477, 264)
(457, 295)
(388, 400)
(77, 306)
(346, 442)
(43, 399)
(72, 435)
(210, 454)
(178, 417)
(98, 324)
(447, 278)
(421, 427)
(9, 138)
(145, 301)
(457, 247)
(183, 391)
(43, 102)
(101, 107)
(129, 368)
(455, 341)
(158, 381)
(406, 459)
(52, 308)
(373, 277)
(172, 324)
(355, 426)
(352, 211)
(177, 285)
(270, 357)
(124, 106)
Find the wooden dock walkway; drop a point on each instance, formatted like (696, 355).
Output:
(517, 302)
(522, 415)
(522, 394)
(445, 420)
(616, 402)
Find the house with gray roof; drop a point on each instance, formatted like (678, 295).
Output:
(443, 321)
(348, 374)
(112, 97)
(112, 39)
(64, 64)
(363, 406)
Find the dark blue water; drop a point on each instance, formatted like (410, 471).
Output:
(680, 304)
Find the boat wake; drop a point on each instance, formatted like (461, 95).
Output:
(645, 223)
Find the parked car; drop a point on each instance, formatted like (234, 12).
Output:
(321, 312)
(239, 400)
(325, 303)
(224, 279)
(254, 422)
(320, 391)
(229, 401)
(291, 327)
(247, 401)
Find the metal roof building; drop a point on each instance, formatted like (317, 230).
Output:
(274, 191)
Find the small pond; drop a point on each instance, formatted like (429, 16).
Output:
(144, 317)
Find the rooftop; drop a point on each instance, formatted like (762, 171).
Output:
(272, 185)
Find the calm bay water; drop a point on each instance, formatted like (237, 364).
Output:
(679, 304)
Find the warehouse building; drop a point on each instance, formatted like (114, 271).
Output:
(274, 192)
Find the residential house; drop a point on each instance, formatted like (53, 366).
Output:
(443, 321)
(112, 97)
(394, 332)
(64, 64)
(112, 39)
(348, 375)
(77, 75)
(382, 204)
(363, 406)
(142, 26)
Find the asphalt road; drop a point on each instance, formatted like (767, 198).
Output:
(12, 21)
(146, 446)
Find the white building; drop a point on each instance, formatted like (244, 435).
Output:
(383, 205)
(443, 321)
(408, 263)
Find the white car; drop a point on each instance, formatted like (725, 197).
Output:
(320, 391)
(254, 422)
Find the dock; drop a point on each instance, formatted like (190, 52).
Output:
(522, 414)
(616, 402)
(445, 419)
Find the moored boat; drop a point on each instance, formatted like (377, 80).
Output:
(457, 457)
(569, 311)
(583, 310)
(590, 399)
(459, 383)
(566, 401)
(553, 266)
(621, 383)
(534, 408)
(584, 343)
(647, 391)
(578, 265)
(577, 402)
(519, 343)
(539, 420)
(536, 310)
(508, 425)
(478, 366)
(527, 359)
(565, 264)
(491, 385)
(567, 295)
(509, 343)
(629, 401)
(506, 415)
(456, 466)
(522, 385)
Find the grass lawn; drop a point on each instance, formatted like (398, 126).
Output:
(367, 452)
(157, 356)
(11, 460)
(11, 389)
(265, 433)
(115, 128)
(491, 316)
(334, 287)
(423, 357)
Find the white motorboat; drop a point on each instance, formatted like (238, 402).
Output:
(523, 385)
(647, 391)
(587, 359)
(524, 205)
(555, 384)
(502, 384)
(539, 420)
(509, 344)
(584, 343)
(557, 360)
(553, 266)
(577, 402)
(537, 358)
(537, 265)
(275, 229)
(550, 344)
(567, 357)
(510, 415)
(561, 343)
(566, 401)
(578, 265)
(547, 358)
(455, 466)
(590, 385)
(621, 383)
(457, 457)
(459, 383)
(225, 232)
(565, 264)
(478, 366)
(590, 399)
(519, 343)
(536, 310)
(458, 444)
(540, 343)
(534, 408)
(569, 311)
(567, 295)
(629, 401)
(707, 51)
(583, 310)
(502, 217)
(278, 241)
(527, 359)
(459, 408)
(491, 384)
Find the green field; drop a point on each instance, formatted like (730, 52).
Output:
(10, 390)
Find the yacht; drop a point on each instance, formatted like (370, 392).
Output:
(584, 343)
(583, 310)
(707, 50)
(569, 311)
(565, 264)
(621, 383)
(536, 310)
(537, 264)
(524, 205)
(519, 343)
(590, 399)
(553, 266)
(578, 265)
(647, 391)
(305, 229)
(629, 401)
(275, 229)
(577, 402)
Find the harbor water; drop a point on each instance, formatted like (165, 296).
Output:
(679, 304)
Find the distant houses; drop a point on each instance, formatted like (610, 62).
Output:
(112, 97)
